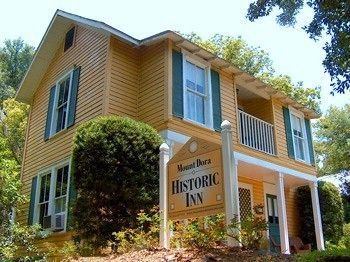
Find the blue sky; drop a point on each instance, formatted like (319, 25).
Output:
(292, 52)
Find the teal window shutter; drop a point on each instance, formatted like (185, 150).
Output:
(32, 201)
(216, 99)
(309, 141)
(49, 113)
(289, 135)
(72, 195)
(178, 109)
(73, 97)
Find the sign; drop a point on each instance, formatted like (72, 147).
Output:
(195, 184)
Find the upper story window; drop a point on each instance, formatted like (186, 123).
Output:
(197, 92)
(62, 103)
(69, 39)
(63, 90)
(52, 191)
(299, 137)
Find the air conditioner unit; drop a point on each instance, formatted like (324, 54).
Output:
(59, 222)
(47, 222)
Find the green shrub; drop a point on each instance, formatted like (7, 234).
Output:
(249, 232)
(144, 236)
(332, 213)
(204, 232)
(116, 174)
(331, 254)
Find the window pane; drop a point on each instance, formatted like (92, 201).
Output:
(61, 118)
(60, 93)
(190, 75)
(200, 109)
(60, 205)
(200, 77)
(191, 106)
(59, 183)
(65, 180)
(66, 90)
(47, 187)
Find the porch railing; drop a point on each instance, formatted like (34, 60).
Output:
(256, 133)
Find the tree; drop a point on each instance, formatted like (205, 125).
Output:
(331, 18)
(332, 145)
(15, 58)
(258, 63)
(13, 124)
(116, 173)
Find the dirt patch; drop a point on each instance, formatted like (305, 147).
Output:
(182, 255)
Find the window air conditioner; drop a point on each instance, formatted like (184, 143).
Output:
(59, 222)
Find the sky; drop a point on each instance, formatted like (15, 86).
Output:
(290, 49)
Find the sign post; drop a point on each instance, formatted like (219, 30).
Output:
(230, 178)
(164, 237)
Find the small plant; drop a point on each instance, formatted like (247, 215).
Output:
(249, 232)
(146, 235)
(68, 251)
(199, 233)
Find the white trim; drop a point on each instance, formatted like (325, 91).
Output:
(299, 114)
(174, 136)
(317, 215)
(208, 105)
(272, 166)
(53, 171)
(53, 126)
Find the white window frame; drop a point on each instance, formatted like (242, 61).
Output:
(51, 209)
(54, 116)
(208, 106)
(300, 115)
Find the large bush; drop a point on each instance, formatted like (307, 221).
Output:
(332, 213)
(115, 171)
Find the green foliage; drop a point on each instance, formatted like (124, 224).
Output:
(332, 133)
(253, 60)
(249, 232)
(144, 236)
(258, 63)
(204, 232)
(332, 213)
(330, 17)
(116, 173)
(335, 254)
(15, 58)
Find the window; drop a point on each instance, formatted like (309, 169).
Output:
(299, 137)
(245, 200)
(197, 103)
(69, 40)
(62, 103)
(51, 208)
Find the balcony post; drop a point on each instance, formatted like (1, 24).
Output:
(317, 215)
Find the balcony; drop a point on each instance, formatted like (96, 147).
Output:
(256, 133)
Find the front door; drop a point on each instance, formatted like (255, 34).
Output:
(274, 230)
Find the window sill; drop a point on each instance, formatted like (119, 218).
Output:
(61, 132)
(187, 120)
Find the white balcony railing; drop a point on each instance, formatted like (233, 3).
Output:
(256, 133)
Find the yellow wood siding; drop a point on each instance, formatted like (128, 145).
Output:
(292, 212)
(89, 52)
(124, 80)
(259, 107)
(152, 94)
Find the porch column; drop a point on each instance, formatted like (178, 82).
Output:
(164, 239)
(317, 215)
(282, 214)
(230, 178)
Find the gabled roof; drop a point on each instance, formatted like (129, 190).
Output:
(62, 21)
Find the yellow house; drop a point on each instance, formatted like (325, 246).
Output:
(85, 68)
